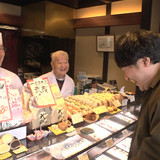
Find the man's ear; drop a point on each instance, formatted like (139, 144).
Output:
(146, 61)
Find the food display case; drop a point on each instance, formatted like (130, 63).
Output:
(78, 127)
(110, 135)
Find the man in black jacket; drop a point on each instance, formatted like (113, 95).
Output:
(138, 55)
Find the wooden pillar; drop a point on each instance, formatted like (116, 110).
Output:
(146, 14)
(105, 54)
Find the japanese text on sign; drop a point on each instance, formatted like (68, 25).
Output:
(42, 92)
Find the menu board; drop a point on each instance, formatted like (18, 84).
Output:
(41, 91)
(5, 111)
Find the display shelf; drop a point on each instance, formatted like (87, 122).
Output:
(116, 138)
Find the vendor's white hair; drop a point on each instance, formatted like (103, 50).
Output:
(57, 53)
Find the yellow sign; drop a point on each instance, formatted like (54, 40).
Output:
(83, 157)
(100, 109)
(5, 155)
(77, 118)
(117, 103)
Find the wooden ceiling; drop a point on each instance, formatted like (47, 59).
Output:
(70, 3)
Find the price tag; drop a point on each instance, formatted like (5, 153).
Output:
(54, 140)
(117, 103)
(132, 98)
(83, 157)
(125, 133)
(124, 102)
(122, 90)
(77, 118)
(100, 109)
(109, 142)
(131, 108)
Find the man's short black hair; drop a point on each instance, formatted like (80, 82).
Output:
(132, 46)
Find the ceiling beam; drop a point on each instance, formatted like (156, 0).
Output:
(12, 20)
(108, 20)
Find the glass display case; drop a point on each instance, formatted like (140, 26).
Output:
(110, 135)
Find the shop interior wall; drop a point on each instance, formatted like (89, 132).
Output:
(113, 71)
(88, 60)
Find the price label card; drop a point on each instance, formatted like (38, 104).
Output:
(5, 110)
(132, 98)
(77, 118)
(124, 102)
(83, 157)
(109, 142)
(125, 133)
(131, 108)
(100, 109)
(122, 90)
(117, 103)
(41, 91)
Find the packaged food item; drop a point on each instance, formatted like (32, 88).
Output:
(15, 144)
(4, 148)
(118, 153)
(6, 138)
(91, 116)
(87, 130)
(63, 126)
